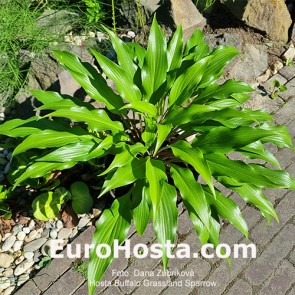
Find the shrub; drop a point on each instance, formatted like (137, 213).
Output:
(165, 95)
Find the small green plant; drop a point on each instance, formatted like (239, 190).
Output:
(81, 267)
(94, 11)
(277, 88)
(203, 5)
(289, 62)
(169, 125)
(45, 262)
(5, 194)
(48, 205)
(19, 34)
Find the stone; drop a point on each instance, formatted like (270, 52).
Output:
(7, 245)
(64, 233)
(33, 235)
(290, 53)
(184, 12)
(21, 236)
(22, 279)
(269, 16)
(23, 267)
(9, 290)
(17, 245)
(31, 224)
(228, 39)
(53, 234)
(83, 222)
(34, 245)
(8, 273)
(250, 64)
(5, 260)
(26, 230)
(4, 283)
(29, 255)
(57, 21)
(68, 84)
(59, 225)
(19, 260)
(16, 229)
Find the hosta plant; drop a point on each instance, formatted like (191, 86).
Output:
(167, 132)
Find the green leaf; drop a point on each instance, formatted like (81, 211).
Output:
(48, 139)
(165, 219)
(191, 192)
(149, 134)
(174, 51)
(48, 205)
(82, 201)
(223, 139)
(155, 64)
(187, 82)
(126, 156)
(124, 175)
(228, 209)
(221, 56)
(124, 54)
(97, 120)
(125, 86)
(41, 169)
(249, 173)
(251, 194)
(163, 132)
(256, 150)
(156, 176)
(142, 107)
(193, 156)
(113, 224)
(141, 211)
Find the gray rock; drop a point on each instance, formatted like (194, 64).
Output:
(59, 225)
(184, 12)
(22, 279)
(214, 40)
(83, 222)
(8, 273)
(67, 83)
(7, 245)
(271, 17)
(34, 245)
(64, 233)
(17, 245)
(5, 260)
(57, 21)
(33, 234)
(250, 64)
(23, 267)
(9, 290)
(29, 255)
(53, 234)
(45, 233)
(31, 224)
(19, 260)
(26, 230)
(17, 228)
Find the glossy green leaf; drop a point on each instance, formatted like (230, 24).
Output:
(191, 192)
(174, 50)
(124, 175)
(113, 224)
(193, 156)
(82, 201)
(97, 120)
(187, 82)
(126, 156)
(47, 205)
(153, 73)
(163, 132)
(156, 176)
(142, 107)
(126, 88)
(165, 219)
(141, 211)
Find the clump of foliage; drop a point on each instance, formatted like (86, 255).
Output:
(165, 95)
(20, 39)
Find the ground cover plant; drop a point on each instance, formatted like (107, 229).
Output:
(167, 133)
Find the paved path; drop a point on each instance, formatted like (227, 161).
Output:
(272, 272)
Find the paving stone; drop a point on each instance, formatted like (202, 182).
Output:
(264, 265)
(281, 281)
(286, 113)
(153, 285)
(193, 241)
(275, 194)
(264, 232)
(240, 287)
(199, 268)
(59, 266)
(147, 237)
(144, 264)
(285, 156)
(288, 72)
(28, 288)
(268, 84)
(112, 290)
(66, 284)
(292, 256)
(185, 224)
(286, 96)
(223, 275)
